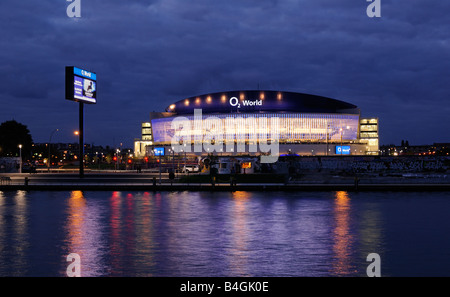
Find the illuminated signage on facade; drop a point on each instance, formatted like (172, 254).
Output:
(159, 151)
(235, 102)
(342, 150)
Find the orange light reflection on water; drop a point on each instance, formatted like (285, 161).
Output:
(343, 239)
(77, 205)
(84, 234)
(239, 234)
(115, 222)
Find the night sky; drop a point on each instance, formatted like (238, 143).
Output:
(148, 54)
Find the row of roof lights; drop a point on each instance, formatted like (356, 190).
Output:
(223, 99)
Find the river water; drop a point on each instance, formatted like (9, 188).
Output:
(224, 233)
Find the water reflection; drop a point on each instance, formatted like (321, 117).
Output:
(84, 232)
(132, 234)
(342, 236)
(115, 224)
(238, 261)
(14, 234)
(370, 233)
(145, 245)
(129, 222)
(221, 233)
(188, 234)
(20, 233)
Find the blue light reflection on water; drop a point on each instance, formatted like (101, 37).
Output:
(223, 233)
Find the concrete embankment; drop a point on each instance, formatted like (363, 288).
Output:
(154, 182)
(223, 187)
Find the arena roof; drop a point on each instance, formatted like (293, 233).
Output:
(261, 101)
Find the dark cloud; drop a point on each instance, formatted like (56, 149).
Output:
(150, 53)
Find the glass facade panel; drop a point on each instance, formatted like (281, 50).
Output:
(369, 128)
(369, 134)
(146, 131)
(293, 128)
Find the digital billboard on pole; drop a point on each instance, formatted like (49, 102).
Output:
(81, 85)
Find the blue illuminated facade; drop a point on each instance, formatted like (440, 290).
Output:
(305, 124)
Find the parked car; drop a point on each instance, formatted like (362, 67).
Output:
(190, 168)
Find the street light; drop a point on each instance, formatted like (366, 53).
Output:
(173, 159)
(49, 143)
(117, 159)
(20, 156)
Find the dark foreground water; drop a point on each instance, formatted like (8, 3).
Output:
(224, 234)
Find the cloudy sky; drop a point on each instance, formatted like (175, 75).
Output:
(148, 54)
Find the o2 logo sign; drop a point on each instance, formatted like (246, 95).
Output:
(343, 150)
(74, 9)
(235, 102)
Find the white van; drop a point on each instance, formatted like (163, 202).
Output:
(190, 168)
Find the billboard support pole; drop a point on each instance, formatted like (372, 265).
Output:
(81, 86)
(81, 134)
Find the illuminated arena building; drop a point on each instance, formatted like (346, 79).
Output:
(306, 125)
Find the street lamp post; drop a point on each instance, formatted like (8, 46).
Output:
(184, 156)
(20, 156)
(173, 159)
(117, 159)
(49, 143)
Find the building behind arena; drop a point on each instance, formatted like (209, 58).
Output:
(306, 125)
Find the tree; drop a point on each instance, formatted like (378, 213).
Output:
(12, 134)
